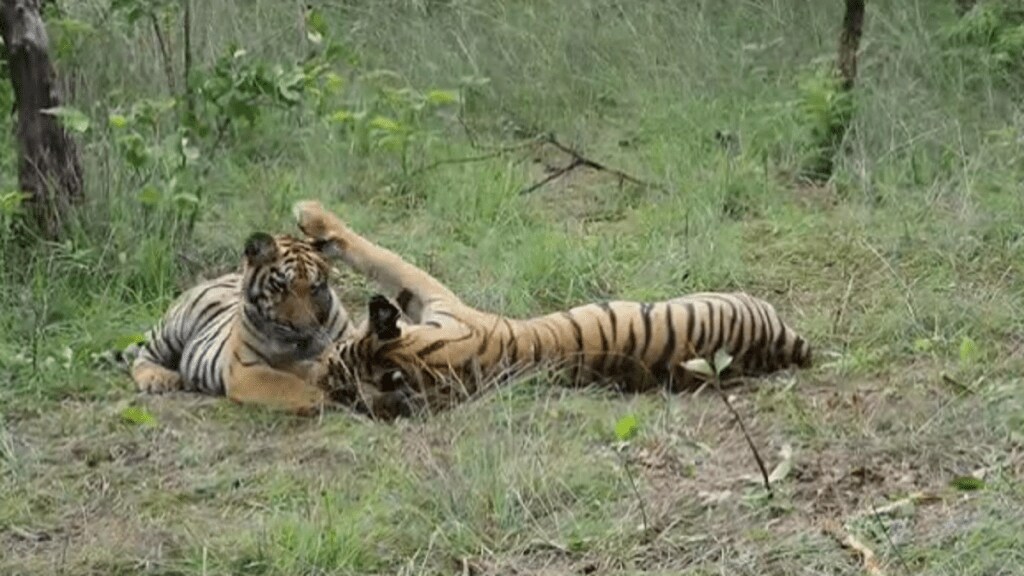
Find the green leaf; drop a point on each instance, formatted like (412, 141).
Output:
(11, 202)
(315, 21)
(71, 118)
(150, 195)
(699, 366)
(923, 345)
(129, 339)
(626, 428)
(341, 116)
(137, 415)
(722, 360)
(442, 97)
(968, 350)
(967, 483)
(117, 121)
(333, 82)
(386, 124)
(186, 199)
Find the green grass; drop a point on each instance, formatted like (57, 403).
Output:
(912, 250)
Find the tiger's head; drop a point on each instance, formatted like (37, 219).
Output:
(288, 304)
(391, 366)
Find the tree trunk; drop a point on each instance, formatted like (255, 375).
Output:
(49, 170)
(823, 164)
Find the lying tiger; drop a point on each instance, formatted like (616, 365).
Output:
(255, 336)
(431, 350)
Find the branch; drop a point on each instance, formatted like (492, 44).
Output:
(750, 441)
(578, 160)
(478, 158)
(164, 54)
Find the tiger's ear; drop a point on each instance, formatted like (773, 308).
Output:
(260, 249)
(384, 318)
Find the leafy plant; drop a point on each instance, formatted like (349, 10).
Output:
(824, 108)
(171, 143)
(138, 416)
(990, 36)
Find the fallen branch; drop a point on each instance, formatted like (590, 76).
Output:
(495, 153)
(579, 160)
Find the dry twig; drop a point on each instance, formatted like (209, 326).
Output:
(746, 435)
(868, 558)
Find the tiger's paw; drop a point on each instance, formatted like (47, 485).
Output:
(316, 221)
(157, 380)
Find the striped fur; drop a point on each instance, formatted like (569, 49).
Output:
(252, 335)
(448, 349)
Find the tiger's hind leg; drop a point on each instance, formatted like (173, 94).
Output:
(153, 378)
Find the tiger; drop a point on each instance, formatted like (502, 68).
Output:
(255, 336)
(422, 347)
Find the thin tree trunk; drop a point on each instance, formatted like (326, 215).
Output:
(822, 165)
(49, 170)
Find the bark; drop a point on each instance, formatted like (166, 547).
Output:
(49, 170)
(849, 42)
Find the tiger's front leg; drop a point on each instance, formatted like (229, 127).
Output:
(265, 386)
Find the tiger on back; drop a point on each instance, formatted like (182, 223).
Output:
(255, 336)
(448, 350)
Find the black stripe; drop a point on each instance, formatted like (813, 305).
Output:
(670, 344)
(645, 313)
(433, 323)
(691, 327)
(556, 341)
(439, 344)
(213, 379)
(537, 347)
(717, 323)
(255, 351)
(735, 328)
(403, 299)
(706, 320)
(631, 341)
(512, 342)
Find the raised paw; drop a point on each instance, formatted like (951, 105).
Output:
(314, 220)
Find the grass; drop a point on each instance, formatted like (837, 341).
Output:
(904, 272)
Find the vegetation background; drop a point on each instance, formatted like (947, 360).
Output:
(904, 270)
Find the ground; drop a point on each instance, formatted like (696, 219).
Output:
(904, 271)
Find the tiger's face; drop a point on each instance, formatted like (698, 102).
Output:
(386, 356)
(286, 297)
